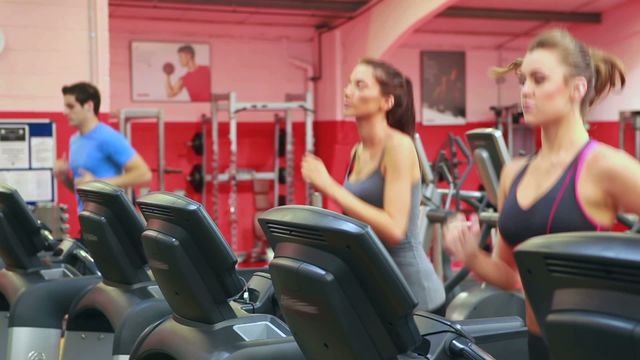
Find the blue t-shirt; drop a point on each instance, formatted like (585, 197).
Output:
(103, 151)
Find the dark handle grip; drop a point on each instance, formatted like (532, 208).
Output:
(463, 347)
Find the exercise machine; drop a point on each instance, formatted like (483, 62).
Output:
(430, 203)
(344, 298)
(54, 217)
(490, 154)
(630, 221)
(106, 319)
(35, 289)
(215, 312)
(446, 168)
(521, 138)
(583, 288)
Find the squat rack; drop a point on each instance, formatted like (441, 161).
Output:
(228, 102)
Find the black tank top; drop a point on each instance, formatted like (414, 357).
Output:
(559, 210)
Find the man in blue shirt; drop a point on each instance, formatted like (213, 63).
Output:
(96, 151)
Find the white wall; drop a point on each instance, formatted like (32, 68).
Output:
(47, 46)
(619, 34)
(253, 61)
(481, 89)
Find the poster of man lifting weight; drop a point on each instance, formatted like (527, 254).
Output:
(443, 87)
(170, 71)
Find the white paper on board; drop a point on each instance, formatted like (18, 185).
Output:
(42, 150)
(33, 185)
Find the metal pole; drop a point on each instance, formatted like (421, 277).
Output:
(161, 162)
(203, 129)
(276, 160)
(289, 157)
(510, 131)
(127, 126)
(215, 159)
(636, 128)
(621, 124)
(93, 43)
(233, 144)
(309, 137)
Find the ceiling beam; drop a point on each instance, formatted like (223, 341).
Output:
(118, 7)
(347, 6)
(513, 14)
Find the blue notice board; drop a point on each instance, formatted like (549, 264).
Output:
(27, 156)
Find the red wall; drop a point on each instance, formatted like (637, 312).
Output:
(334, 140)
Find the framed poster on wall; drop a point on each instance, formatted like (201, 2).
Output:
(443, 87)
(170, 71)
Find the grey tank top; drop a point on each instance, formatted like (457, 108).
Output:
(409, 255)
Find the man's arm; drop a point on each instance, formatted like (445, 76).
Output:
(61, 171)
(135, 169)
(67, 182)
(136, 172)
(173, 89)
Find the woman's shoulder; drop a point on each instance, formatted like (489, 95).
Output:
(400, 152)
(607, 160)
(602, 151)
(400, 141)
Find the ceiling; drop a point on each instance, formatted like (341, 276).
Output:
(306, 13)
(345, 6)
(494, 27)
(550, 5)
(491, 20)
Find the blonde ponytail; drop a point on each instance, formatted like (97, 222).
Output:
(499, 72)
(608, 74)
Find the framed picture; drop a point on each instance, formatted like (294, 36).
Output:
(443, 87)
(170, 71)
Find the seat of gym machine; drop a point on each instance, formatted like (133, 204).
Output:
(35, 293)
(107, 318)
(583, 288)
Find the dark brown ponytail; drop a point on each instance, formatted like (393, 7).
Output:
(402, 115)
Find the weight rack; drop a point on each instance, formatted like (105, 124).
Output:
(228, 102)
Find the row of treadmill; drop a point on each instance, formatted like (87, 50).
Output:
(167, 287)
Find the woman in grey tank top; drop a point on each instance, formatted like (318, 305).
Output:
(383, 185)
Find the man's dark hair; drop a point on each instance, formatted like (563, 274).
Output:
(83, 92)
(188, 49)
